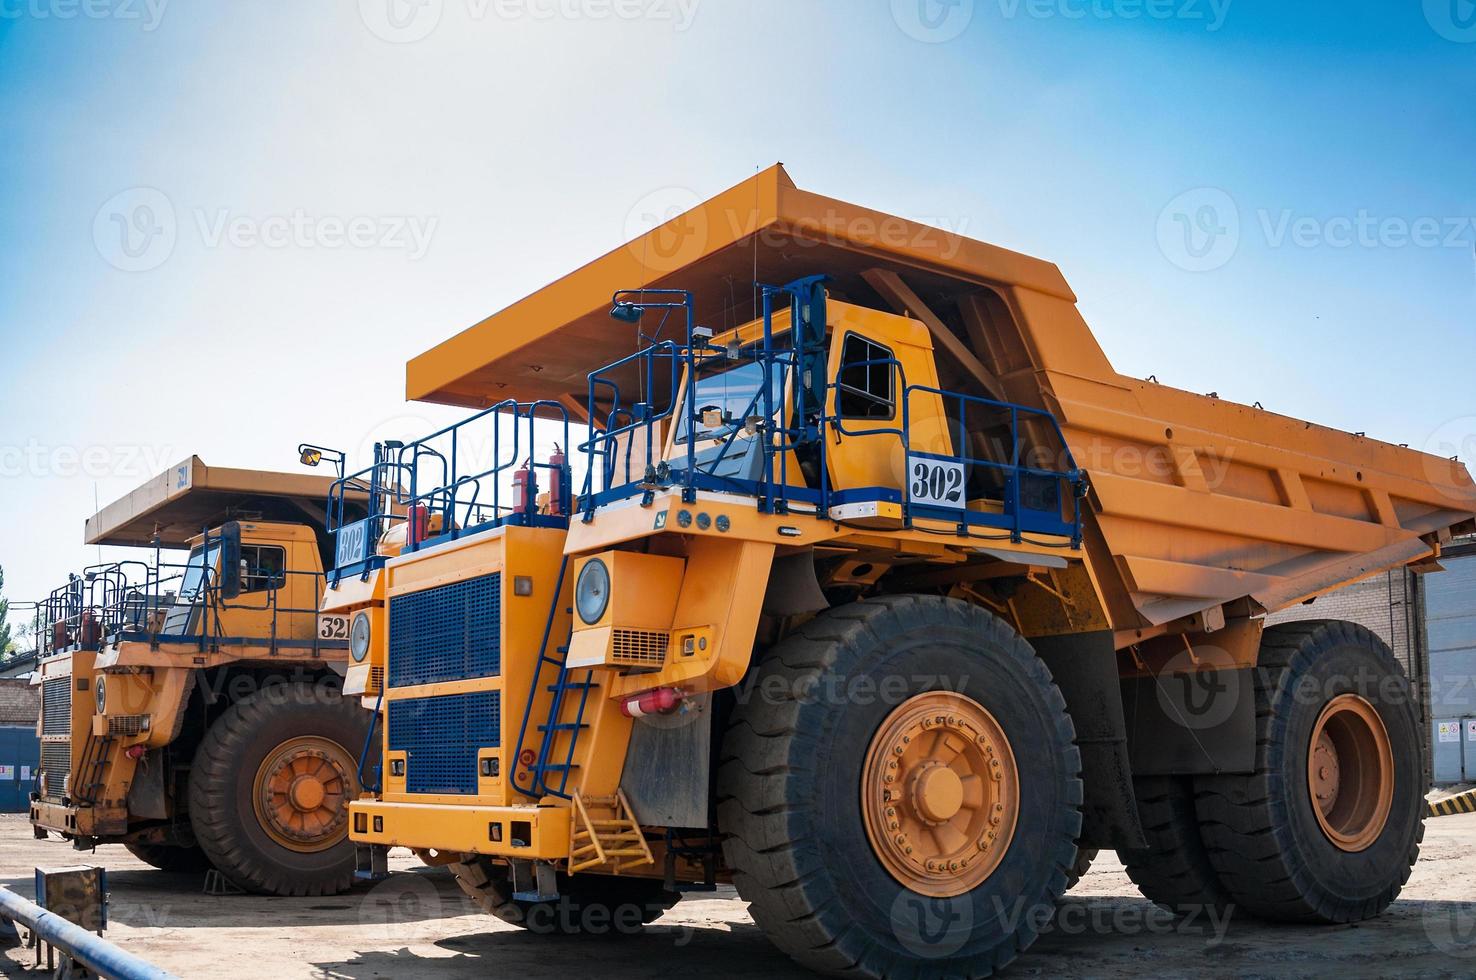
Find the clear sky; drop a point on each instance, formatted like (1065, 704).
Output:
(225, 227)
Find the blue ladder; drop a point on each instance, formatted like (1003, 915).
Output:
(540, 782)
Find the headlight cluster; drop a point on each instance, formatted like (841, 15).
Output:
(592, 591)
(359, 637)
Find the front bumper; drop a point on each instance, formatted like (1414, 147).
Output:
(531, 832)
(79, 821)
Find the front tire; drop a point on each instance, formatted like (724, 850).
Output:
(1328, 827)
(171, 858)
(270, 788)
(798, 803)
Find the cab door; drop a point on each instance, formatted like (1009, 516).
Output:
(876, 361)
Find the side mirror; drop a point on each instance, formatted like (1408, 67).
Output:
(310, 456)
(230, 560)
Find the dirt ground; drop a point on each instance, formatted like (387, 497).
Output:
(418, 925)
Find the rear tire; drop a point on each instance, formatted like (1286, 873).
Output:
(171, 858)
(1263, 831)
(1174, 870)
(588, 904)
(794, 810)
(227, 810)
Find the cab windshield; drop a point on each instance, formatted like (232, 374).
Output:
(727, 397)
(201, 559)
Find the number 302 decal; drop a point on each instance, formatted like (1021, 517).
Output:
(936, 482)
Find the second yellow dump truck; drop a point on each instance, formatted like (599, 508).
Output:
(882, 596)
(192, 711)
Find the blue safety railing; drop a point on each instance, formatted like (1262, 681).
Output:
(378, 492)
(459, 492)
(162, 602)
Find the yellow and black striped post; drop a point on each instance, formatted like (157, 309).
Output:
(1460, 803)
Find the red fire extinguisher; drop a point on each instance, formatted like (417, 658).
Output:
(418, 526)
(556, 481)
(525, 489)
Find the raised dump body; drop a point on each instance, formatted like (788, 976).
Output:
(880, 588)
(1196, 502)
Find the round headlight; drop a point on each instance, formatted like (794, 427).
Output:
(592, 591)
(101, 692)
(359, 637)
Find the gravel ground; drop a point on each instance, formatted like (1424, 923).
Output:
(418, 925)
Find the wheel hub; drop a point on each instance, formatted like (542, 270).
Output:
(940, 794)
(302, 792)
(1350, 773)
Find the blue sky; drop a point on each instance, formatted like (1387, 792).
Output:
(1269, 200)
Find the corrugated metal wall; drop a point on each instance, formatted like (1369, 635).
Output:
(1450, 602)
(19, 751)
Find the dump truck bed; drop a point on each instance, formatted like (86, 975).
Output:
(1195, 501)
(190, 496)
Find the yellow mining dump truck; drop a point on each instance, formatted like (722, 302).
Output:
(193, 711)
(883, 596)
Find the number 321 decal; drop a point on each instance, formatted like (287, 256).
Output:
(936, 482)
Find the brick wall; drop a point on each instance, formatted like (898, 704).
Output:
(20, 703)
(1387, 604)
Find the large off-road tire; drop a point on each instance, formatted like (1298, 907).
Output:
(817, 837)
(588, 904)
(170, 858)
(270, 788)
(1174, 870)
(1328, 827)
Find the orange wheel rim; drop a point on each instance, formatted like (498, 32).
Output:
(1350, 772)
(302, 792)
(940, 794)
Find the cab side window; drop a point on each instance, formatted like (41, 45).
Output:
(865, 387)
(263, 567)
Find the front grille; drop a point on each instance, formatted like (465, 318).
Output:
(128, 724)
(440, 737)
(640, 648)
(56, 762)
(56, 706)
(449, 633)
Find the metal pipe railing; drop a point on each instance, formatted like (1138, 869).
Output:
(93, 952)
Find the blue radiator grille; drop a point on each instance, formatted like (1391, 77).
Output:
(450, 633)
(440, 737)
